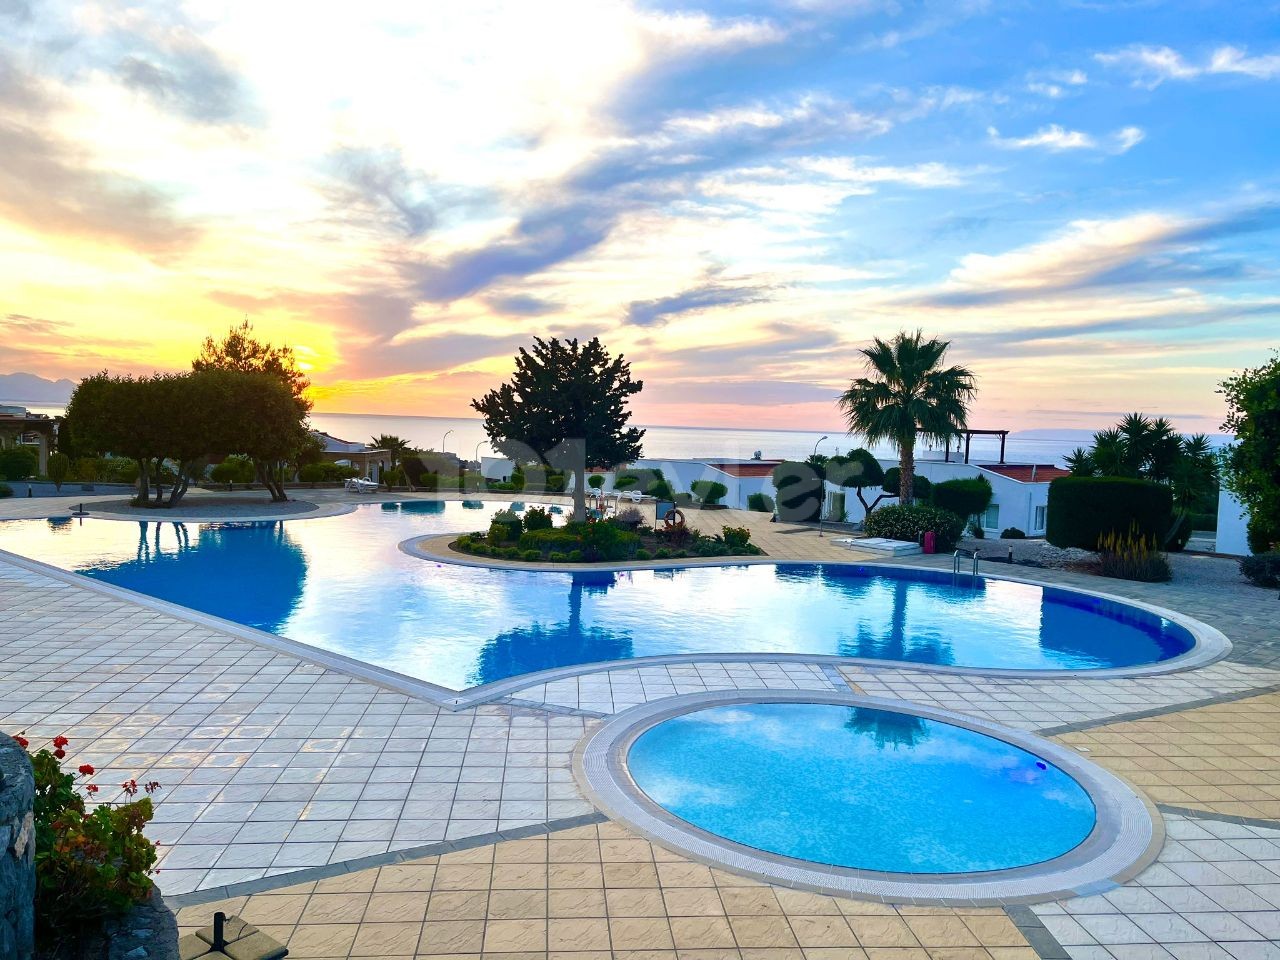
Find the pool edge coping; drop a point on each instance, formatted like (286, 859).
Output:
(599, 769)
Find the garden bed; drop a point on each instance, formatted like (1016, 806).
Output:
(533, 539)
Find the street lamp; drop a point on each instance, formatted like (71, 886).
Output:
(443, 439)
(476, 458)
(822, 498)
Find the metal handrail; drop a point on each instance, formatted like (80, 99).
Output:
(955, 561)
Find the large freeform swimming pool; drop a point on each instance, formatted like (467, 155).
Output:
(341, 584)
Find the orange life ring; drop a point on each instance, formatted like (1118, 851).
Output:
(673, 518)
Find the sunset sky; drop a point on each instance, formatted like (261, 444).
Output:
(1083, 196)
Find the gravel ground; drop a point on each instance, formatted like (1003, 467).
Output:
(1038, 553)
(222, 507)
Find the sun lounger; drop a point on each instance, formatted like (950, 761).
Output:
(359, 485)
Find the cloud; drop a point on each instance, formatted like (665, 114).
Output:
(1056, 139)
(177, 70)
(1152, 66)
(1140, 249)
(377, 188)
(51, 187)
(715, 292)
(523, 305)
(1058, 84)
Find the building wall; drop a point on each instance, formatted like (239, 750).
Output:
(1233, 523)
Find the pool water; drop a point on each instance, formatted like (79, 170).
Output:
(342, 584)
(860, 787)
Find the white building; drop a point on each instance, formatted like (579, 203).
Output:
(1233, 525)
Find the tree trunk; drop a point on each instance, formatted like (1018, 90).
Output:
(580, 492)
(906, 470)
(268, 477)
(159, 482)
(180, 485)
(144, 483)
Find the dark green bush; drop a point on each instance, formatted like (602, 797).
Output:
(643, 555)
(509, 553)
(1012, 533)
(311, 473)
(505, 527)
(964, 496)
(5, 491)
(556, 482)
(709, 492)
(910, 523)
(607, 541)
(561, 538)
(760, 503)
(575, 556)
(800, 491)
(595, 481)
(684, 499)
(736, 538)
(662, 553)
(17, 463)
(536, 518)
(558, 556)
(237, 469)
(1262, 569)
(481, 549)
(531, 556)
(1263, 531)
(1082, 510)
(921, 487)
(647, 481)
(1180, 534)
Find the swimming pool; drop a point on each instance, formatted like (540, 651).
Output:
(860, 787)
(342, 584)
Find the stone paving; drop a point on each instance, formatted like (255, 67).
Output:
(275, 769)
(594, 892)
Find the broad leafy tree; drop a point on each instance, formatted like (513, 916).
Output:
(858, 470)
(240, 351)
(394, 445)
(565, 406)
(1252, 462)
(908, 394)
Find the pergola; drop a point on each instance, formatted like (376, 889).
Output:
(969, 435)
(17, 426)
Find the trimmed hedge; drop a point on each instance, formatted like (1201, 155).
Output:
(1082, 510)
(964, 496)
(760, 503)
(800, 491)
(709, 492)
(1262, 569)
(910, 523)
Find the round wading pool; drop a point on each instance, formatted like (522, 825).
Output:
(860, 787)
(859, 795)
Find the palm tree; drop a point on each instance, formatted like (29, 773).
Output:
(391, 443)
(908, 394)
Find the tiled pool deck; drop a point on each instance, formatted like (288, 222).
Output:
(349, 820)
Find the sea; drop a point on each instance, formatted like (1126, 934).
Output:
(465, 437)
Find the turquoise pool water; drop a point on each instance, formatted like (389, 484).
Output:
(860, 787)
(342, 584)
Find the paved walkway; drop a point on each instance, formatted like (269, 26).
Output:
(351, 820)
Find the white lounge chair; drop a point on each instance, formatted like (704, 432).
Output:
(361, 485)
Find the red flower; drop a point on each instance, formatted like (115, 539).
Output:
(60, 741)
(153, 786)
(91, 788)
(23, 742)
(86, 769)
(60, 754)
(130, 787)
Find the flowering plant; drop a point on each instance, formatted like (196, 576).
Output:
(89, 863)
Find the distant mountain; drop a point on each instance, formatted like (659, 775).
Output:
(28, 388)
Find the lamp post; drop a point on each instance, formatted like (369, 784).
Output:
(443, 439)
(822, 498)
(478, 446)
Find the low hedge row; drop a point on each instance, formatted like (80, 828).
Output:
(1084, 510)
(911, 523)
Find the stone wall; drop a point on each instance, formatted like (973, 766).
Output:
(17, 852)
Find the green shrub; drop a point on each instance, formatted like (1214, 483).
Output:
(530, 556)
(1180, 534)
(737, 538)
(1082, 510)
(662, 490)
(800, 491)
(560, 538)
(684, 499)
(481, 549)
(1132, 556)
(120, 470)
(17, 463)
(964, 496)
(760, 503)
(505, 527)
(709, 492)
(608, 541)
(1262, 569)
(1263, 531)
(662, 553)
(559, 556)
(59, 468)
(508, 553)
(1012, 533)
(5, 491)
(556, 482)
(237, 469)
(976, 531)
(648, 481)
(643, 555)
(536, 518)
(575, 556)
(595, 481)
(910, 523)
(921, 487)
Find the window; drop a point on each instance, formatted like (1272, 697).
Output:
(991, 519)
(1039, 519)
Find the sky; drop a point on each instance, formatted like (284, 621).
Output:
(1083, 197)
